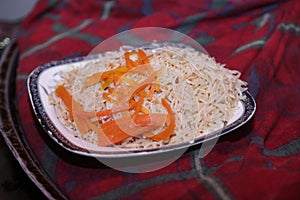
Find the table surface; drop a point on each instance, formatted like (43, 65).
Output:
(260, 159)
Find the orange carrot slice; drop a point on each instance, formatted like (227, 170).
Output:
(169, 130)
(66, 97)
(75, 110)
(116, 132)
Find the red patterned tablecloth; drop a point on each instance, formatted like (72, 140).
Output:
(260, 38)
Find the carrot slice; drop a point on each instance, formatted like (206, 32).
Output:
(93, 79)
(115, 74)
(139, 105)
(145, 110)
(107, 97)
(75, 110)
(169, 130)
(103, 76)
(113, 133)
(82, 123)
(107, 82)
(110, 90)
(142, 57)
(116, 131)
(66, 97)
(129, 63)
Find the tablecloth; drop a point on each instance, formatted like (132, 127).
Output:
(260, 38)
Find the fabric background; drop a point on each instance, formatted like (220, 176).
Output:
(260, 38)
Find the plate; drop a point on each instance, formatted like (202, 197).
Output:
(41, 83)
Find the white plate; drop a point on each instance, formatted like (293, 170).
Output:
(41, 82)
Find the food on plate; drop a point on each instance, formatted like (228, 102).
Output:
(147, 97)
